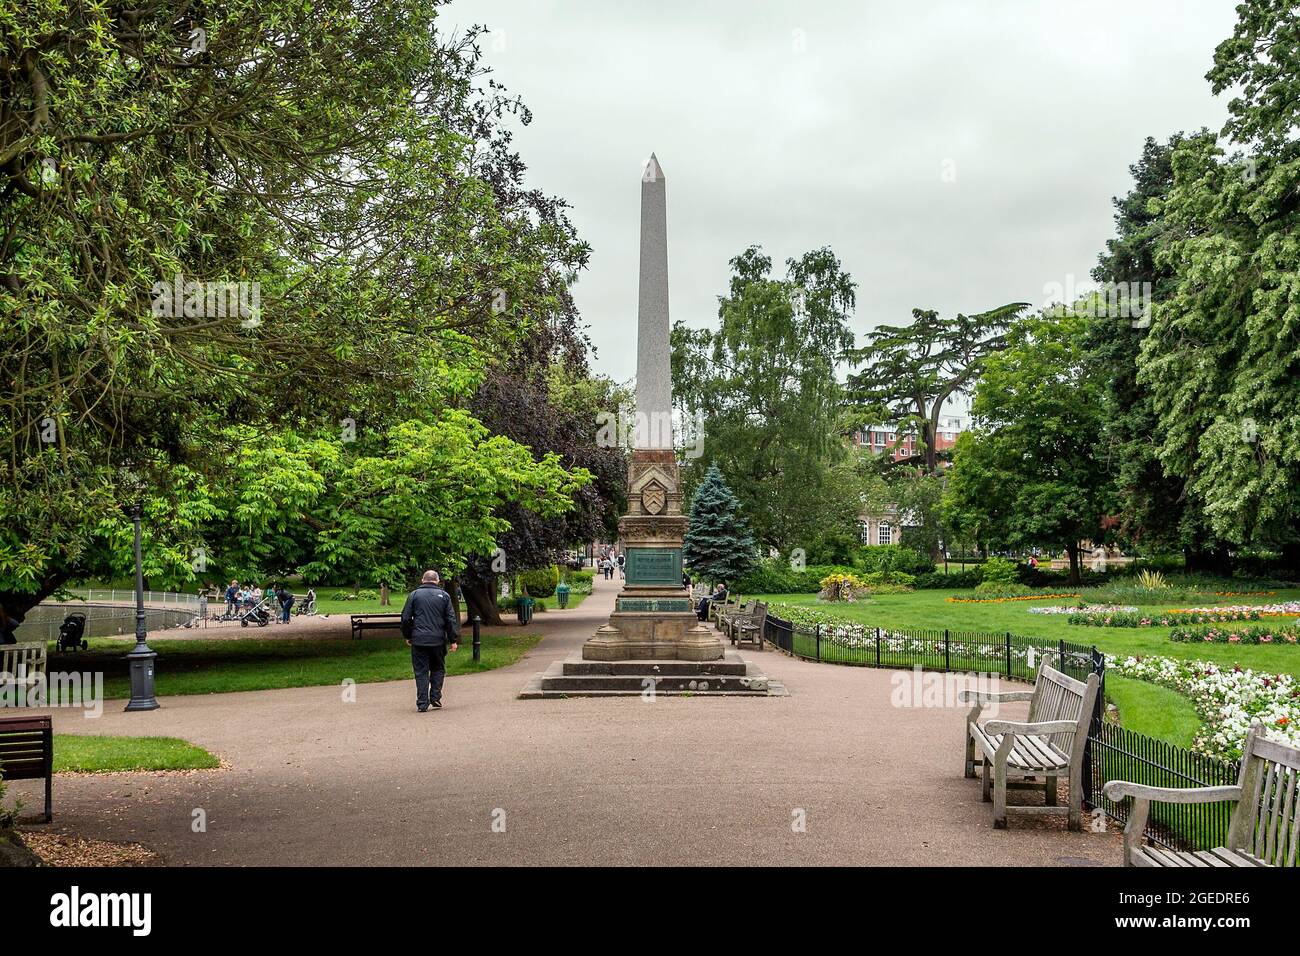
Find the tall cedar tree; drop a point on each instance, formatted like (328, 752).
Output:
(718, 544)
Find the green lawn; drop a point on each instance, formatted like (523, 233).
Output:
(1143, 707)
(326, 605)
(221, 666)
(93, 754)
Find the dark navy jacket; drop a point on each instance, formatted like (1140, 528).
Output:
(428, 618)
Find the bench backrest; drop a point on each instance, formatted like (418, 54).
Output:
(26, 747)
(1059, 696)
(760, 612)
(26, 657)
(1264, 822)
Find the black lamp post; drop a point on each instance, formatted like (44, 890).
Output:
(141, 658)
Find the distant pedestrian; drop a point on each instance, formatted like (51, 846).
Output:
(719, 596)
(429, 624)
(232, 598)
(621, 560)
(286, 603)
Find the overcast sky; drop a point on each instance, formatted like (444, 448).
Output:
(954, 155)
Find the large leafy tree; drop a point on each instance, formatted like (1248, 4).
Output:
(910, 371)
(1032, 473)
(343, 156)
(1221, 357)
(764, 385)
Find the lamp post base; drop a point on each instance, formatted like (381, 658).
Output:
(141, 661)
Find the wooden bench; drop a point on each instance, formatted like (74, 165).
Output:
(23, 665)
(723, 612)
(748, 628)
(1265, 825)
(1036, 753)
(27, 753)
(374, 622)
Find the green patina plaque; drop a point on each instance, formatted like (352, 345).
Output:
(654, 605)
(661, 566)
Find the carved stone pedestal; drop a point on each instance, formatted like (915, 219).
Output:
(653, 618)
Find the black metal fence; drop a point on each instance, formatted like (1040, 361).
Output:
(1116, 753)
(1007, 654)
(1113, 752)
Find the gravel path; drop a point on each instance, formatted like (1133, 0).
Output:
(317, 781)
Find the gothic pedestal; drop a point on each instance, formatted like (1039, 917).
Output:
(653, 619)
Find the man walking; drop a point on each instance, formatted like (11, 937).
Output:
(429, 624)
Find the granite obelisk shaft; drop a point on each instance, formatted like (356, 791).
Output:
(654, 396)
(653, 619)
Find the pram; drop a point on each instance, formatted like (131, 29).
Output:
(258, 614)
(71, 633)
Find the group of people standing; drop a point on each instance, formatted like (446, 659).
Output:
(241, 599)
(609, 561)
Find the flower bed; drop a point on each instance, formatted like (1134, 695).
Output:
(1227, 699)
(1087, 609)
(976, 599)
(1259, 634)
(1135, 618)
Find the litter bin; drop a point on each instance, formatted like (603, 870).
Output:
(524, 608)
(562, 595)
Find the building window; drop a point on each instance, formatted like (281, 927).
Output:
(886, 535)
(864, 531)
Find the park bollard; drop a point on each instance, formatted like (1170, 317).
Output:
(478, 638)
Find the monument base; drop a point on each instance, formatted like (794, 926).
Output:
(731, 676)
(653, 624)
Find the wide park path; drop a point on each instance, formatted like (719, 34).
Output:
(314, 780)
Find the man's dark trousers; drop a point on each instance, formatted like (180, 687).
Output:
(430, 663)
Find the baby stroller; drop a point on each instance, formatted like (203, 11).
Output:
(258, 614)
(71, 633)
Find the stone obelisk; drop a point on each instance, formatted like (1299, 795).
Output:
(652, 618)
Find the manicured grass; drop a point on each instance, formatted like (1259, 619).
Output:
(93, 754)
(330, 606)
(222, 666)
(1152, 710)
(1143, 707)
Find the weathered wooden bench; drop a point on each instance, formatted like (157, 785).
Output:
(1265, 825)
(27, 753)
(23, 666)
(729, 611)
(716, 610)
(374, 622)
(1035, 753)
(748, 628)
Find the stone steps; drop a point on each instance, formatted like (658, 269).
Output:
(730, 677)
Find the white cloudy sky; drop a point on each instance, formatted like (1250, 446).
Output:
(795, 125)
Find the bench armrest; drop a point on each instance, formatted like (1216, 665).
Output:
(1117, 790)
(979, 697)
(1038, 727)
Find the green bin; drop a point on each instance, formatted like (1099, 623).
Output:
(524, 608)
(562, 595)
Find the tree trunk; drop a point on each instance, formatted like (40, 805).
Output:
(481, 599)
(1214, 561)
(1073, 551)
(15, 605)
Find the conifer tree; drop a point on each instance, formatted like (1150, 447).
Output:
(718, 544)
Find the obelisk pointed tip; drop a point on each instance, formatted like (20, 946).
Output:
(653, 171)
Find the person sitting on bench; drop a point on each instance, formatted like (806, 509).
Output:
(718, 596)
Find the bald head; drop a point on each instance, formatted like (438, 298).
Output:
(430, 577)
